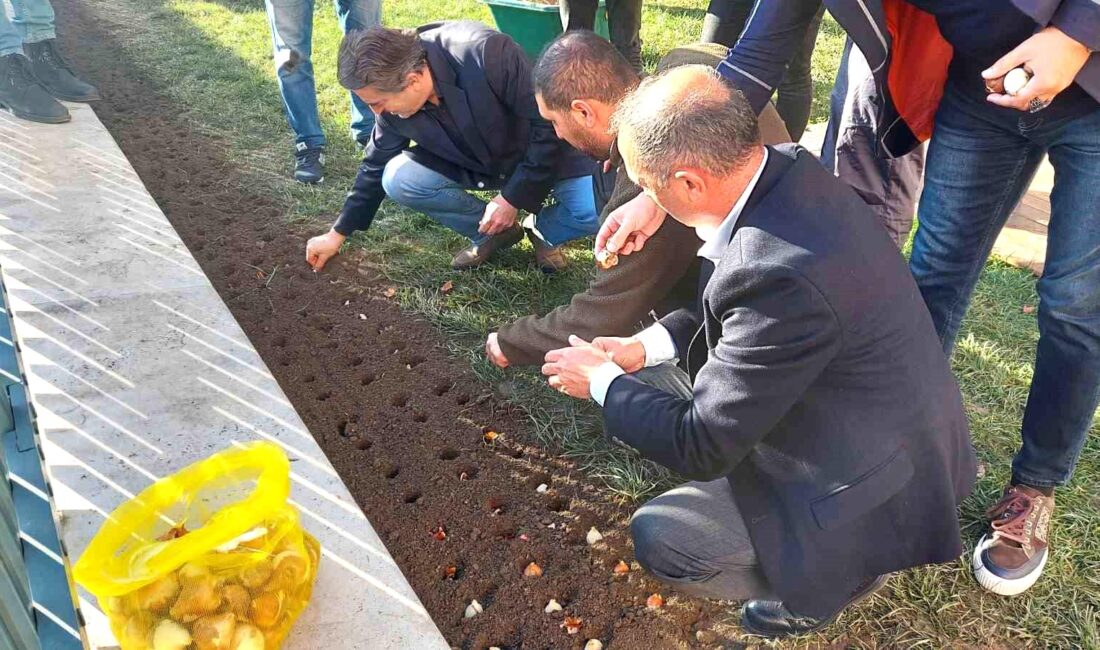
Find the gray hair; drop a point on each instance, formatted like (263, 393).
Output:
(380, 58)
(581, 65)
(709, 126)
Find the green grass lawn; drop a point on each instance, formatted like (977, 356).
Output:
(213, 57)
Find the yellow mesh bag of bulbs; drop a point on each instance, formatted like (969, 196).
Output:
(211, 558)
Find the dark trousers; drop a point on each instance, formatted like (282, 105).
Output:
(624, 24)
(980, 162)
(693, 536)
(724, 22)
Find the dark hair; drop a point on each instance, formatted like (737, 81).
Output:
(581, 65)
(710, 125)
(379, 57)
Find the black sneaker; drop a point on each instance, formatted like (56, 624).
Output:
(21, 93)
(309, 164)
(55, 75)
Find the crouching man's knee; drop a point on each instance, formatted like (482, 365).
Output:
(651, 533)
(399, 180)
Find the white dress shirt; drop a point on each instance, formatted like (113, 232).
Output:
(655, 339)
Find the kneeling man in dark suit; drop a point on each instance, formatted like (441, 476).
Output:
(823, 429)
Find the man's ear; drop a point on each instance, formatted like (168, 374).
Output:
(583, 112)
(415, 77)
(690, 184)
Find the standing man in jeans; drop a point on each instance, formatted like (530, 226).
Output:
(292, 37)
(33, 74)
(986, 149)
(624, 24)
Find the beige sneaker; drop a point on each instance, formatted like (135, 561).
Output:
(477, 255)
(549, 258)
(1010, 558)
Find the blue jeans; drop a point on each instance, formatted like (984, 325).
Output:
(573, 215)
(292, 37)
(31, 21)
(980, 162)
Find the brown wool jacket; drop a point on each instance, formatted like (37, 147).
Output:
(657, 279)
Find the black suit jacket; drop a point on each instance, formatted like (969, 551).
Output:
(484, 80)
(820, 391)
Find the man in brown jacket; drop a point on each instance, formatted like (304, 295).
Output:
(579, 81)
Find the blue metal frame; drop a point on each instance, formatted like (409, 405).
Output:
(37, 601)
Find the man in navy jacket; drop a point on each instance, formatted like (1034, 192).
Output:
(462, 93)
(824, 432)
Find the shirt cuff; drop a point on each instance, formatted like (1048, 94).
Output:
(601, 380)
(658, 345)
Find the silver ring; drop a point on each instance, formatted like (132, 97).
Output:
(1036, 105)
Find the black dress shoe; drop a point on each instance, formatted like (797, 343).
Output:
(55, 75)
(771, 618)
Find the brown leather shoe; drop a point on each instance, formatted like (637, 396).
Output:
(477, 255)
(549, 258)
(1010, 558)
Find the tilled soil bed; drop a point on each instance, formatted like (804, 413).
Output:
(402, 422)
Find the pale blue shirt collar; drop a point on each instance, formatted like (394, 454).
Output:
(716, 241)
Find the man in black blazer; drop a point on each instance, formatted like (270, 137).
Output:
(824, 431)
(462, 93)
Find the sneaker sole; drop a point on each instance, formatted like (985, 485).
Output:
(36, 118)
(316, 182)
(1002, 586)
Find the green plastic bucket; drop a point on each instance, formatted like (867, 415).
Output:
(533, 24)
